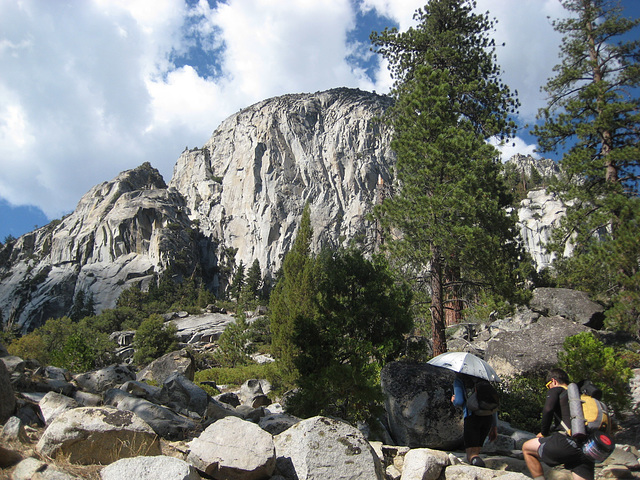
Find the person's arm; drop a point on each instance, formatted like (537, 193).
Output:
(548, 410)
(459, 397)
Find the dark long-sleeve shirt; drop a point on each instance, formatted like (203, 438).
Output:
(556, 408)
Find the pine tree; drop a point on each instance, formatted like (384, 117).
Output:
(293, 297)
(448, 216)
(593, 118)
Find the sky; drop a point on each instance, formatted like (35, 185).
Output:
(90, 88)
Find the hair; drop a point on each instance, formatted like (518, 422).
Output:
(559, 374)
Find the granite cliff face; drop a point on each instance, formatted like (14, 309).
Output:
(242, 193)
(120, 233)
(247, 186)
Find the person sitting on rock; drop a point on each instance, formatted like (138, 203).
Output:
(552, 445)
(476, 427)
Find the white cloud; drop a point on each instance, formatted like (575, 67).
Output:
(92, 88)
(512, 146)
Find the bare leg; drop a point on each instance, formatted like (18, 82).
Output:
(530, 452)
(473, 452)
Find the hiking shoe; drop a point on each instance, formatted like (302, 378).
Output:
(477, 461)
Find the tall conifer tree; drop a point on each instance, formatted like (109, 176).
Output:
(593, 119)
(293, 296)
(448, 216)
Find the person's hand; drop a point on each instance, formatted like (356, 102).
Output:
(540, 435)
(453, 398)
(493, 434)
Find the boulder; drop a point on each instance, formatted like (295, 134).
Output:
(573, 305)
(13, 429)
(532, 350)
(322, 447)
(466, 472)
(233, 448)
(149, 468)
(8, 457)
(7, 396)
(98, 381)
(92, 435)
(184, 396)
(424, 464)
(254, 393)
(418, 405)
(162, 420)
(277, 423)
(34, 469)
(180, 361)
(53, 404)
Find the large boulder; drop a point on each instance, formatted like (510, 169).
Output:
(418, 405)
(53, 404)
(233, 448)
(149, 468)
(162, 420)
(98, 381)
(180, 361)
(532, 350)
(323, 448)
(183, 396)
(98, 435)
(7, 396)
(573, 305)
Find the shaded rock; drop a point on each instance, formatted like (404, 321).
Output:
(8, 457)
(217, 410)
(149, 468)
(13, 364)
(277, 423)
(142, 390)
(230, 398)
(534, 349)
(184, 396)
(321, 447)
(573, 305)
(87, 399)
(162, 420)
(98, 381)
(90, 435)
(53, 404)
(180, 361)
(7, 396)
(418, 405)
(234, 448)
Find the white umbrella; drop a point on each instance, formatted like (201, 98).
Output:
(464, 362)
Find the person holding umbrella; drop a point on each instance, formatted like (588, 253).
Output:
(477, 424)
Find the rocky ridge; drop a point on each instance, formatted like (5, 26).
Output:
(242, 193)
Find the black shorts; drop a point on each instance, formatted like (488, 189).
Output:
(559, 449)
(476, 429)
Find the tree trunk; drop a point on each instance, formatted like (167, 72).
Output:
(437, 306)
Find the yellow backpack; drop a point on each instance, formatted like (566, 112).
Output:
(594, 412)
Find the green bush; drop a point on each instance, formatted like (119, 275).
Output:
(153, 339)
(586, 358)
(521, 401)
(235, 377)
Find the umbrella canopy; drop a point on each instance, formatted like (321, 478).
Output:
(467, 363)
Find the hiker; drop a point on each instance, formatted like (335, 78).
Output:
(476, 427)
(552, 445)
